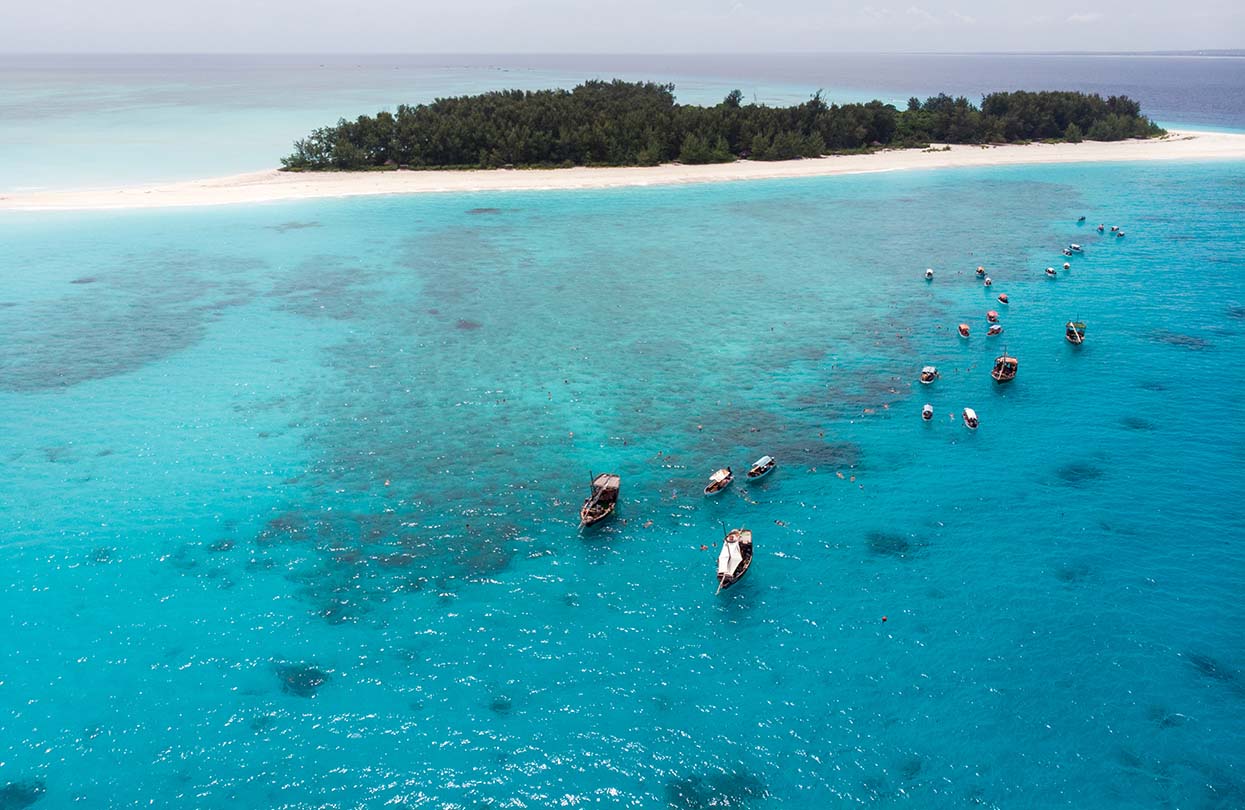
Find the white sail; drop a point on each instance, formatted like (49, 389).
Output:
(729, 558)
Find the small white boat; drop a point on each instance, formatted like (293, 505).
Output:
(1067, 266)
(735, 558)
(1100, 228)
(988, 282)
(1075, 248)
(970, 419)
(762, 467)
(1119, 234)
(1050, 272)
(995, 329)
(1114, 228)
(1067, 252)
(928, 375)
(927, 412)
(929, 274)
(963, 330)
(719, 481)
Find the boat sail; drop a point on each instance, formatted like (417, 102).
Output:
(735, 558)
(1075, 332)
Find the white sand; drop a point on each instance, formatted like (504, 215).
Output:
(273, 186)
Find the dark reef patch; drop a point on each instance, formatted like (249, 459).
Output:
(1137, 423)
(1178, 339)
(224, 544)
(17, 795)
(1236, 313)
(1078, 473)
(1212, 669)
(500, 704)
(84, 280)
(726, 790)
(102, 555)
(890, 544)
(1072, 573)
(1162, 718)
(467, 325)
(478, 211)
(1153, 385)
(301, 680)
(293, 225)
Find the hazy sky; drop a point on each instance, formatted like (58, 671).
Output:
(605, 26)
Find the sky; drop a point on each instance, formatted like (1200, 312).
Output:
(610, 26)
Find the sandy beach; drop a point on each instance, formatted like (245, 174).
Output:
(275, 186)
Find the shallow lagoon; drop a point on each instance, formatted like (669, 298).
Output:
(290, 491)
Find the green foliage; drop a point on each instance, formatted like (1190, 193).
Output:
(638, 123)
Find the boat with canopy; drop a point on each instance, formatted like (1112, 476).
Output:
(719, 481)
(928, 375)
(735, 558)
(1005, 368)
(601, 502)
(762, 467)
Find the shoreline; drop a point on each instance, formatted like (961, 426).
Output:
(272, 185)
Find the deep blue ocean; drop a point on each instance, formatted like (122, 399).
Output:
(289, 493)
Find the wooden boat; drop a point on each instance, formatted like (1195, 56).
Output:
(927, 412)
(1075, 332)
(735, 558)
(762, 467)
(981, 271)
(963, 330)
(995, 329)
(970, 419)
(928, 375)
(600, 504)
(1005, 368)
(992, 316)
(719, 481)
(1003, 298)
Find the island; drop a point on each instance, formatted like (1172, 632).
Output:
(618, 123)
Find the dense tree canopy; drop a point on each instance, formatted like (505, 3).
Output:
(620, 123)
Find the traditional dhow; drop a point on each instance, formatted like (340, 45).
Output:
(1005, 368)
(762, 467)
(1074, 333)
(735, 558)
(600, 504)
(719, 481)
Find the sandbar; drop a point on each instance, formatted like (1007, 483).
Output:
(277, 186)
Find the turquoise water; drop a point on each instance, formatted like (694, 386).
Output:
(289, 498)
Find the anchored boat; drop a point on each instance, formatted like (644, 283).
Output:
(995, 329)
(992, 316)
(600, 504)
(735, 558)
(963, 330)
(1005, 368)
(928, 375)
(927, 412)
(762, 467)
(929, 274)
(970, 419)
(1075, 332)
(719, 481)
